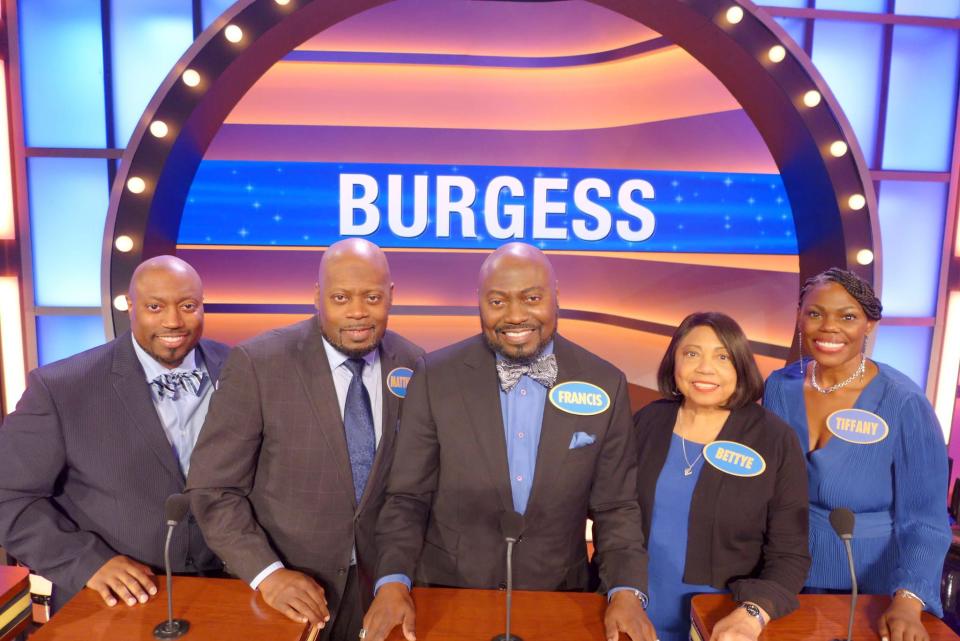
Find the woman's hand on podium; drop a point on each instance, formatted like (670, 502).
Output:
(625, 614)
(901, 621)
(296, 596)
(124, 579)
(392, 606)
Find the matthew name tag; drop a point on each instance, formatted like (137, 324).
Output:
(398, 379)
(857, 426)
(734, 458)
(578, 397)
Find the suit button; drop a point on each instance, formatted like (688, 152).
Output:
(190, 561)
(341, 571)
(191, 520)
(502, 586)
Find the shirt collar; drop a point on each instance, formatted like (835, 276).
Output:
(153, 369)
(547, 350)
(336, 358)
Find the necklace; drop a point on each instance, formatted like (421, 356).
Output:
(688, 470)
(833, 388)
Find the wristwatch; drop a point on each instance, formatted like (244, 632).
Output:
(754, 611)
(644, 601)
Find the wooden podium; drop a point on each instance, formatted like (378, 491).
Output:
(14, 600)
(478, 615)
(217, 609)
(820, 617)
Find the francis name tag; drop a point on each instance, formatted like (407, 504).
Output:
(398, 379)
(578, 397)
(857, 426)
(734, 458)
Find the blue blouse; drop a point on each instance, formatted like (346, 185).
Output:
(897, 488)
(669, 608)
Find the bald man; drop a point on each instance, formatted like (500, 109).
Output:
(99, 440)
(514, 420)
(289, 473)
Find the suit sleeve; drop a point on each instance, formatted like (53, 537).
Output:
(402, 523)
(222, 470)
(920, 526)
(786, 555)
(614, 508)
(32, 460)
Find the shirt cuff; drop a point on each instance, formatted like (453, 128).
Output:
(264, 573)
(644, 600)
(391, 578)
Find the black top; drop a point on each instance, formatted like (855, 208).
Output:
(746, 534)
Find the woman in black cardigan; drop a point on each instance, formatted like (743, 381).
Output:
(722, 484)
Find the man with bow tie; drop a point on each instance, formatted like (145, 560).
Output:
(99, 440)
(483, 435)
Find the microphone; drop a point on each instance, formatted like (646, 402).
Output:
(511, 526)
(842, 521)
(174, 509)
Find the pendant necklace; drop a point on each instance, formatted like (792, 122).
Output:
(688, 470)
(833, 388)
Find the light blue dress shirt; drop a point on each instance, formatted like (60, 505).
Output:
(341, 382)
(182, 414)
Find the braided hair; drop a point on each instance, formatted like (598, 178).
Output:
(858, 288)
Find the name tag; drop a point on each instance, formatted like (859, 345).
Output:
(578, 397)
(857, 426)
(734, 458)
(397, 381)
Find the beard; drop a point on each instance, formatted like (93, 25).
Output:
(510, 354)
(355, 352)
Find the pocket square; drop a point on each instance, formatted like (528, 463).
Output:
(581, 439)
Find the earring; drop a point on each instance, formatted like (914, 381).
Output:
(800, 348)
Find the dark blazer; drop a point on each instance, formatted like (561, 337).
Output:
(85, 468)
(748, 535)
(450, 481)
(270, 478)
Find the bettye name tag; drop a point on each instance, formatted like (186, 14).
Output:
(398, 379)
(578, 397)
(734, 458)
(857, 426)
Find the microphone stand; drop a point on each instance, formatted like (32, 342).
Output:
(853, 592)
(507, 636)
(171, 628)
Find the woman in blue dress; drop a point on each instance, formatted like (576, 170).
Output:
(722, 487)
(875, 447)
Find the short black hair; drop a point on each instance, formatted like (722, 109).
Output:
(859, 289)
(749, 387)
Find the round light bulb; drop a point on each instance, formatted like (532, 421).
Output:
(777, 53)
(136, 185)
(282, 3)
(123, 243)
(734, 15)
(838, 148)
(191, 78)
(233, 33)
(857, 202)
(159, 128)
(120, 303)
(812, 98)
(864, 257)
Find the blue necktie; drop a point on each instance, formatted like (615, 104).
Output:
(171, 383)
(358, 424)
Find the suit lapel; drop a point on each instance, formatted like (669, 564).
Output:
(211, 360)
(480, 392)
(129, 381)
(557, 429)
(390, 414)
(313, 367)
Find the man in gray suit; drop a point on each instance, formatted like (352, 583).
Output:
(99, 440)
(288, 477)
(515, 420)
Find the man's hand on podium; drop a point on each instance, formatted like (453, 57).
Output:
(901, 621)
(739, 625)
(625, 614)
(125, 579)
(391, 607)
(295, 595)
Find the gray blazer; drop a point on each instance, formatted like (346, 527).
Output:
(270, 479)
(85, 468)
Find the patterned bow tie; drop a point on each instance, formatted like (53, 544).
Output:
(543, 370)
(169, 384)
